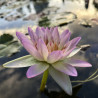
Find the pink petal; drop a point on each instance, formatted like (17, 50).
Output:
(29, 46)
(67, 53)
(79, 63)
(43, 29)
(54, 56)
(70, 46)
(51, 29)
(36, 69)
(62, 79)
(22, 36)
(64, 40)
(39, 33)
(46, 35)
(32, 35)
(32, 50)
(65, 68)
(73, 43)
(45, 38)
(55, 35)
(50, 46)
(42, 49)
(64, 34)
(49, 34)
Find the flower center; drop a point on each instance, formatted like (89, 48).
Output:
(52, 46)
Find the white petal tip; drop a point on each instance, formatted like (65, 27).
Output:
(69, 93)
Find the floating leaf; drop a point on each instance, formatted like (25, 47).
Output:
(10, 49)
(2, 46)
(5, 38)
(63, 18)
(86, 23)
(85, 47)
(44, 22)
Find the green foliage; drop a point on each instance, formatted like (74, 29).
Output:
(44, 22)
(9, 49)
(5, 38)
(8, 46)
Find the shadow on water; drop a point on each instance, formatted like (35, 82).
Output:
(79, 16)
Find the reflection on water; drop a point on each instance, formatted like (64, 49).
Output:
(31, 10)
(19, 14)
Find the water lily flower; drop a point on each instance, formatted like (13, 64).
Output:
(50, 52)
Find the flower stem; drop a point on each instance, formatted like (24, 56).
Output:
(44, 80)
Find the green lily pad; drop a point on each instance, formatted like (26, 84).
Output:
(44, 21)
(86, 23)
(5, 38)
(8, 46)
(10, 49)
(2, 46)
(63, 18)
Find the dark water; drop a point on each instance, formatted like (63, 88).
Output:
(79, 16)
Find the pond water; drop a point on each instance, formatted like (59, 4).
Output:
(79, 16)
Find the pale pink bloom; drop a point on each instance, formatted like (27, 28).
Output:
(50, 50)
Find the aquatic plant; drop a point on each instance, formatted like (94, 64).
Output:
(50, 52)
